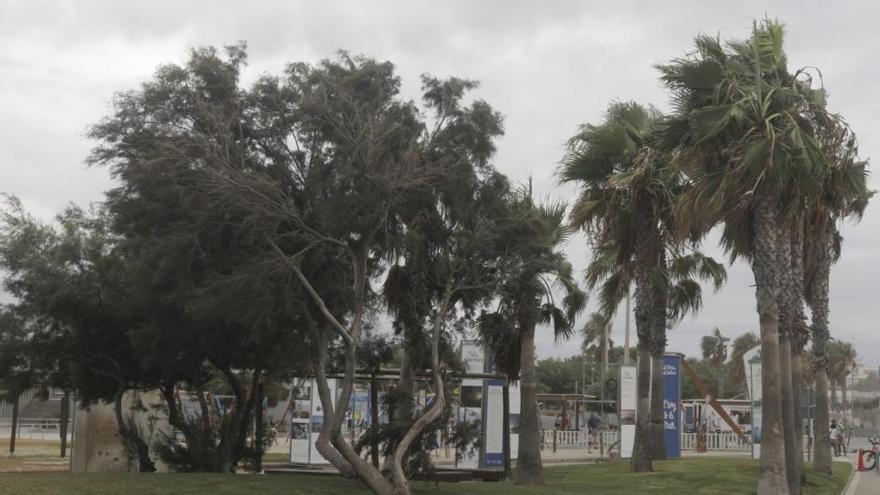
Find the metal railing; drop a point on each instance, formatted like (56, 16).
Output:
(724, 442)
(566, 439)
(35, 428)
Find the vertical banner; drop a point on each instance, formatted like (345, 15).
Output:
(493, 447)
(757, 406)
(671, 402)
(626, 410)
(513, 396)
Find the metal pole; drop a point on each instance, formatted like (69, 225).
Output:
(505, 443)
(374, 421)
(605, 353)
(626, 331)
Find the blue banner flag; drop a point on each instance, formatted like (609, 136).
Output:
(671, 403)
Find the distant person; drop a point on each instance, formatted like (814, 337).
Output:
(834, 433)
(843, 438)
(593, 430)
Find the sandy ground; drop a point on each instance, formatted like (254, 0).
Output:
(32, 455)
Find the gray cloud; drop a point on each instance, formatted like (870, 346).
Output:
(548, 66)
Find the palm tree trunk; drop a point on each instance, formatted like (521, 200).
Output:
(529, 469)
(817, 298)
(833, 383)
(658, 438)
(645, 325)
(721, 381)
(772, 480)
(822, 455)
(844, 403)
(791, 452)
(797, 387)
(641, 455)
(799, 337)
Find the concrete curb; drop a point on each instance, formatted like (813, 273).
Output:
(852, 484)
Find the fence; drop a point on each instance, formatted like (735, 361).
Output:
(35, 428)
(566, 439)
(726, 442)
(720, 442)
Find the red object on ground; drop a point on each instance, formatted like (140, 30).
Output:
(861, 462)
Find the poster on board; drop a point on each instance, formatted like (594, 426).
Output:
(627, 410)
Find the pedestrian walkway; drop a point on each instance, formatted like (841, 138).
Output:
(866, 483)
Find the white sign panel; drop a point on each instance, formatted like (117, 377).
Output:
(627, 409)
(757, 408)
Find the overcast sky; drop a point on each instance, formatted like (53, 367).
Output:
(547, 66)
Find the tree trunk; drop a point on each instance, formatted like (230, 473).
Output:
(797, 387)
(323, 445)
(844, 403)
(721, 381)
(529, 469)
(657, 444)
(788, 426)
(258, 429)
(765, 210)
(62, 423)
(817, 298)
(646, 331)
(821, 424)
(641, 455)
(14, 431)
(833, 383)
(799, 337)
(401, 483)
(134, 444)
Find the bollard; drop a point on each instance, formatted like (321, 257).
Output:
(554, 441)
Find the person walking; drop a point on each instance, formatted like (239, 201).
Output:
(843, 438)
(592, 430)
(834, 431)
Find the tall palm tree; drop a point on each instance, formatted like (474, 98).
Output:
(845, 195)
(744, 134)
(714, 349)
(626, 209)
(529, 297)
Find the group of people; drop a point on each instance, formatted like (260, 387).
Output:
(839, 438)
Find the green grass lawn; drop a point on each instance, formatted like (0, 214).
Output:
(686, 477)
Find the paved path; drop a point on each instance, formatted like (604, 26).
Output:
(866, 483)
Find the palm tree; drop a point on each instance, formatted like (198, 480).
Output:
(626, 209)
(594, 337)
(841, 362)
(845, 195)
(527, 298)
(744, 134)
(714, 349)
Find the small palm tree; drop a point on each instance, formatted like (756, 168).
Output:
(527, 298)
(626, 208)
(714, 349)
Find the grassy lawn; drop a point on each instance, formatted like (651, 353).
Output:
(687, 476)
